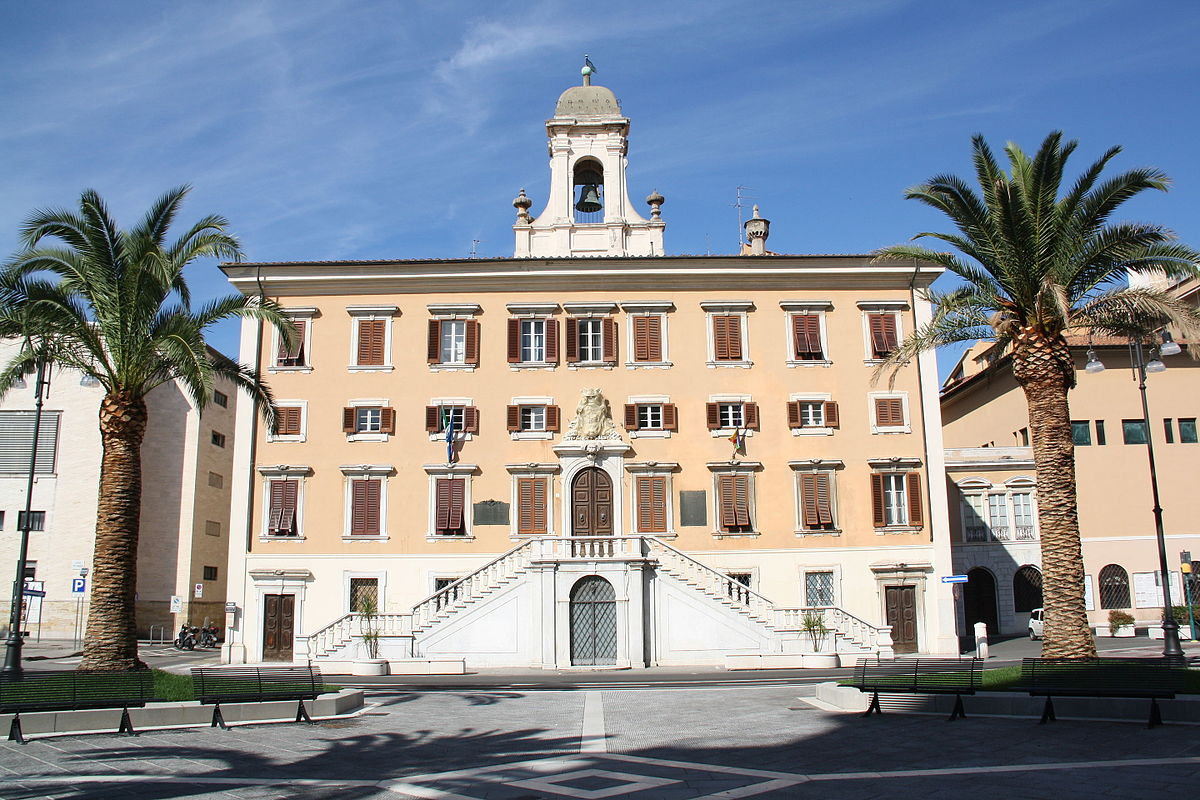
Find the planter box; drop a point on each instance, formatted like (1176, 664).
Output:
(370, 667)
(782, 661)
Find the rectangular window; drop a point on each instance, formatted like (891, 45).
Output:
(882, 328)
(651, 503)
(216, 480)
(442, 583)
(1187, 430)
(818, 588)
(37, 520)
(1, 520)
(438, 418)
(813, 414)
(806, 337)
(1024, 437)
(896, 499)
(368, 419)
(372, 335)
(212, 528)
(889, 412)
(221, 399)
(651, 417)
(1100, 437)
(288, 420)
(1134, 431)
(591, 340)
(727, 337)
(1169, 430)
(1081, 433)
(816, 501)
(451, 415)
(364, 594)
(998, 516)
(210, 573)
(533, 418)
(1023, 515)
(647, 338)
(454, 341)
(744, 578)
(733, 498)
(731, 415)
(976, 529)
(295, 355)
(282, 496)
(728, 415)
(533, 340)
(449, 519)
(531, 507)
(365, 495)
(16, 442)
(218, 439)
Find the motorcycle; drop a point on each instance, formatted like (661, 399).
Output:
(208, 636)
(186, 640)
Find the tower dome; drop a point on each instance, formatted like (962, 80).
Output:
(587, 101)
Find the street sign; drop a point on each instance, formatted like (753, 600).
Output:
(199, 590)
(176, 604)
(33, 593)
(231, 607)
(954, 579)
(78, 585)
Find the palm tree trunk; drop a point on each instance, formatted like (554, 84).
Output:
(110, 641)
(1046, 372)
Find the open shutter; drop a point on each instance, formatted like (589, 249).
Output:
(287, 520)
(442, 505)
(631, 417)
(472, 343)
(457, 499)
(512, 418)
(349, 420)
(832, 418)
(433, 342)
(877, 500)
(293, 356)
(470, 419)
(806, 336)
(916, 509)
(670, 417)
(883, 334)
(433, 419)
(387, 420)
(824, 499)
(750, 415)
(728, 508)
(793, 414)
(514, 341)
(808, 501)
(608, 336)
(713, 414)
(275, 506)
(741, 498)
(551, 341)
(572, 354)
(552, 418)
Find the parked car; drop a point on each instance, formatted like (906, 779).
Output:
(1035, 624)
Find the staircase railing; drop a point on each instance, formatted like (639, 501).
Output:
(343, 630)
(857, 631)
(470, 586)
(712, 580)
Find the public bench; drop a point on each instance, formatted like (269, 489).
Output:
(1101, 677)
(218, 685)
(72, 690)
(917, 676)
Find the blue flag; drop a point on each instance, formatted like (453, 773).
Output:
(450, 436)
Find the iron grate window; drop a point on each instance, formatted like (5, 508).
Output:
(1114, 587)
(362, 590)
(818, 588)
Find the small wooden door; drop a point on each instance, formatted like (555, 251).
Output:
(901, 603)
(279, 617)
(592, 503)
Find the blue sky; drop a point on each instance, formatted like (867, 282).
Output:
(331, 130)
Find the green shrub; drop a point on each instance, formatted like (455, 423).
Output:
(1181, 614)
(1118, 619)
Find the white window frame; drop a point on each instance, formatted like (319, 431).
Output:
(807, 569)
(446, 356)
(533, 311)
(308, 314)
(875, 426)
(728, 399)
(359, 314)
(367, 402)
(591, 340)
(435, 576)
(719, 468)
(818, 466)
(300, 437)
(901, 520)
(380, 577)
(351, 473)
(653, 469)
(531, 470)
(734, 308)
(521, 435)
(894, 307)
(459, 434)
(816, 308)
(812, 397)
(298, 472)
(452, 312)
(648, 308)
(650, 400)
(587, 312)
(464, 472)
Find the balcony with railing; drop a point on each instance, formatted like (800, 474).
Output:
(1001, 533)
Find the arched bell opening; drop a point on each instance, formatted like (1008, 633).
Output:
(588, 191)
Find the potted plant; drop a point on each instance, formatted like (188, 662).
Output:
(1120, 623)
(813, 624)
(369, 662)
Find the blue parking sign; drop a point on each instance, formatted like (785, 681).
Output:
(78, 585)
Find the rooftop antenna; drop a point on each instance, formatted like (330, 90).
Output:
(740, 205)
(475, 248)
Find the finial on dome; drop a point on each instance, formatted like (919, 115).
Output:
(522, 203)
(655, 201)
(756, 216)
(589, 69)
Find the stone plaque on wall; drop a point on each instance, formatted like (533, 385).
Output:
(693, 508)
(491, 512)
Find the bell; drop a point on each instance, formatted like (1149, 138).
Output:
(589, 199)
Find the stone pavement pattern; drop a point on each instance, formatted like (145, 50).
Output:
(641, 744)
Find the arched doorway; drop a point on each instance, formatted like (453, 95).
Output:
(1027, 589)
(1114, 587)
(592, 503)
(979, 601)
(593, 623)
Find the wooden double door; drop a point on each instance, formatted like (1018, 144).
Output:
(900, 603)
(592, 503)
(279, 626)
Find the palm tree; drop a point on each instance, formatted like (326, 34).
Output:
(1034, 266)
(114, 305)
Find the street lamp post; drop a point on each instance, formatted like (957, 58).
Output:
(12, 652)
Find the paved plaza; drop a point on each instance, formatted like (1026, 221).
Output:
(722, 742)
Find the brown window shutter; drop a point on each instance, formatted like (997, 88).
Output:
(572, 354)
(539, 506)
(806, 336)
(641, 338)
(349, 420)
(472, 343)
(283, 508)
(670, 417)
(608, 336)
(514, 341)
(631, 417)
(457, 499)
(552, 418)
(889, 332)
(877, 500)
(728, 334)
(824, 500)
(916, 509)
(358, 507)
(387, 420)
(643, 504)
(883, 334)
(832, 418)
(793, 414)
(294, 355)
(713, 413)
(287, 421)
(889, 411)
(433, 418)
(434, 342)
(370, 342)
(741, 497)
(373, 490)
(654, 342)
(275, 506)
(750, 415)
(728, 508)
(551, 341)
(651, 500)
(808, 501)
(513, 418)
(525, 505)
(720, 330)
(470, 419)
(442, 505)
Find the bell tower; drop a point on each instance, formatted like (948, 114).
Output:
(588, 212)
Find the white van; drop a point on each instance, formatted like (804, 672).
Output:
(1035, 624)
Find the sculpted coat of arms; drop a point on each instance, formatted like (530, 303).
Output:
(593, 418)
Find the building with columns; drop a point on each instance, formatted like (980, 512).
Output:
(591, 453)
